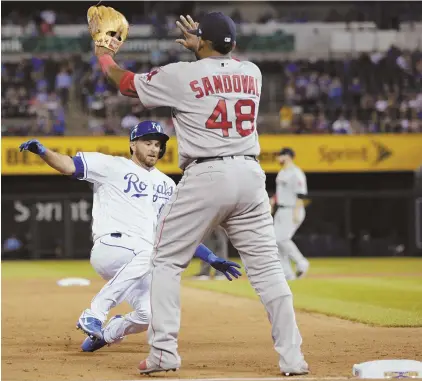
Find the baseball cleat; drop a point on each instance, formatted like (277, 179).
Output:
(299, 371)
(91, 326)
(93, 344)
(145, 367)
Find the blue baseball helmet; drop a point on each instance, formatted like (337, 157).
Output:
(149, 130)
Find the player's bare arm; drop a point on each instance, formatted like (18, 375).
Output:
(120, 78)
(61, 163)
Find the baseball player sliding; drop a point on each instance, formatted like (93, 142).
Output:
(214, 103)
(291, 189)
(128, 196)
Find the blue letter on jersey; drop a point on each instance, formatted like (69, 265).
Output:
(162, 191)
(139, 186)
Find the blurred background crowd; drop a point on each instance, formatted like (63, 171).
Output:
(328, 68)
(372, 90)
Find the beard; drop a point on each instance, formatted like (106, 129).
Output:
(148, 160)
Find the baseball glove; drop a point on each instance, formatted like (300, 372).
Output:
(108, 27)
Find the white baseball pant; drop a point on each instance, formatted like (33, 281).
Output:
(110, 257)
(285, 229)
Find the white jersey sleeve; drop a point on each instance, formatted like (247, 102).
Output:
(300, 183)
(92, 166)
(159, 87)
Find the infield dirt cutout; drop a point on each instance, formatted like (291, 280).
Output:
(222, 336)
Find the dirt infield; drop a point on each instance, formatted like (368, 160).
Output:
(222, 336)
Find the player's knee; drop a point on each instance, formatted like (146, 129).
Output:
(267, 267)
(142, 316)
(273, 285)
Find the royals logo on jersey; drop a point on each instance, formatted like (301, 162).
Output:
(127, 197)
(163, 190)
(135, 187)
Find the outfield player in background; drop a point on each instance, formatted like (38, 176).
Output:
(291, 189)
(129, 194)
(215, 103)
(218, 242)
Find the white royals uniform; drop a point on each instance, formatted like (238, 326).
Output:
(127, 201)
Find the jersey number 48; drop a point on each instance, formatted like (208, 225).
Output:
(218, 118)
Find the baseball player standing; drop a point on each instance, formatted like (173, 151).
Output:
(128, 197)
(291, 189)
(214, 103)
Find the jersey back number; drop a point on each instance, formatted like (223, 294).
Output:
(218, 118)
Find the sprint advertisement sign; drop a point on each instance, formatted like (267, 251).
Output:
(362, 153)
(320, 153)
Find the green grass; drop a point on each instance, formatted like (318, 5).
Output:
(376, 291)
(46, 269)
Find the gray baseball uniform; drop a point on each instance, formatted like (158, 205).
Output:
(215, 105)
(290, 182)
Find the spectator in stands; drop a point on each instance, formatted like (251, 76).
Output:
(324, 82)
(321, 124)
(415, 126)
(418, 72)
(290, 93)
(96, 125)
(286, 117)
(381, 105)
(129, 121)
(341, 126)
(377, 92)
(356, 126)
(290, 68)
(335, 94)
(48, 19)
(101, 87)
(312, 92)
(355, 90)
(63, 85)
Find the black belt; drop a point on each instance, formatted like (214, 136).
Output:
(204, 159)
(116, 235)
